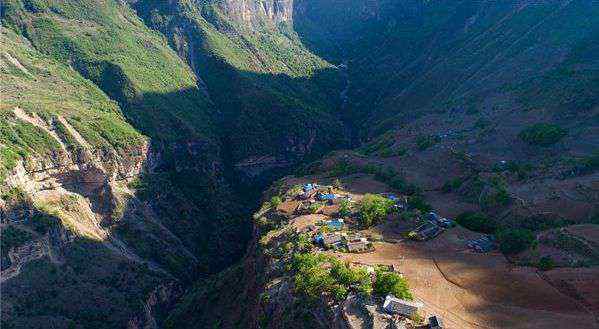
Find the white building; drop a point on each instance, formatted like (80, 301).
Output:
(401, 306)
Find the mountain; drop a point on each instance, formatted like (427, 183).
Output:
(137, 139)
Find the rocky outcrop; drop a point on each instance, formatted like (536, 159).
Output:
(253, 12)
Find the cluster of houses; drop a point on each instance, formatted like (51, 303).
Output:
(433, 226)
(336, 240)
(314, 192)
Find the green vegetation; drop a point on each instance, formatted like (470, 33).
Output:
(425, 142)
(313, 208)
(418, 202)
(522, 170)
(41, 222)
(313, 279)
(546, 263)
(373, 209)
(542, 134)
(477, 222)
(317, 274)
(345, 208)
(391, 283)
(452, 185)
(403, 187)
(513, 241)
(575, 245)
(13, 237)
(275, 201)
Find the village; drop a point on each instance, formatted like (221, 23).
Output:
(330, 216)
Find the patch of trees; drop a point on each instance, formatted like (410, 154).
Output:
(312, 278)
(391, 283)
(477, 222)
(513, 241)
(373, 209)
(543, 134)
(13, 237)
(424, 142)
(318, 274)
(345, 208)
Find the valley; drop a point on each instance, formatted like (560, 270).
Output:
(142, 144)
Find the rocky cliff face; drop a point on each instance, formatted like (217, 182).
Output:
(252, 12)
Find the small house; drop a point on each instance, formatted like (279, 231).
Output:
(333, 240)
(427, 231)
(439, 221)
(319, 239)
(393, 197)
(335, 224)
(434, 322)
(339, 199)
(484, 244)
(309, 187)
(403, 307)
(328, 197)
(307, 194)
(432, 216)
(357, 246)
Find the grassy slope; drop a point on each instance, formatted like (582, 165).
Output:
(95, 63)
(418, 55)
(38, 84)
(109, 45)
(270, 90)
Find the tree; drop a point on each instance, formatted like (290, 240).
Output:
(275, 201)
(417, 202)
(373, 209)
(337, 183)
(313, 208)
(546, 263)
(391, 283)
(345, 208)
(477, 222)
(513, 241)
(543, 134)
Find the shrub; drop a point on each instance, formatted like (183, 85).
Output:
(513, 241)
(275, 201)
(402, 186)
(418, 202)
(337, 183)
(13, 237)
(542, 134)
(477, 222)
(352, 277)
(424, 142)
(498, 197)
(452, 185)
(313, 208)
(42, 222)
(312, 279)
(546, 263)
(345, 208)
(374, 209)
(391, 283)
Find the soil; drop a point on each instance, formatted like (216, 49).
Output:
(473, 290)
(470, 290)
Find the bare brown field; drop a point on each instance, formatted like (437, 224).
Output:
(470, 290)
